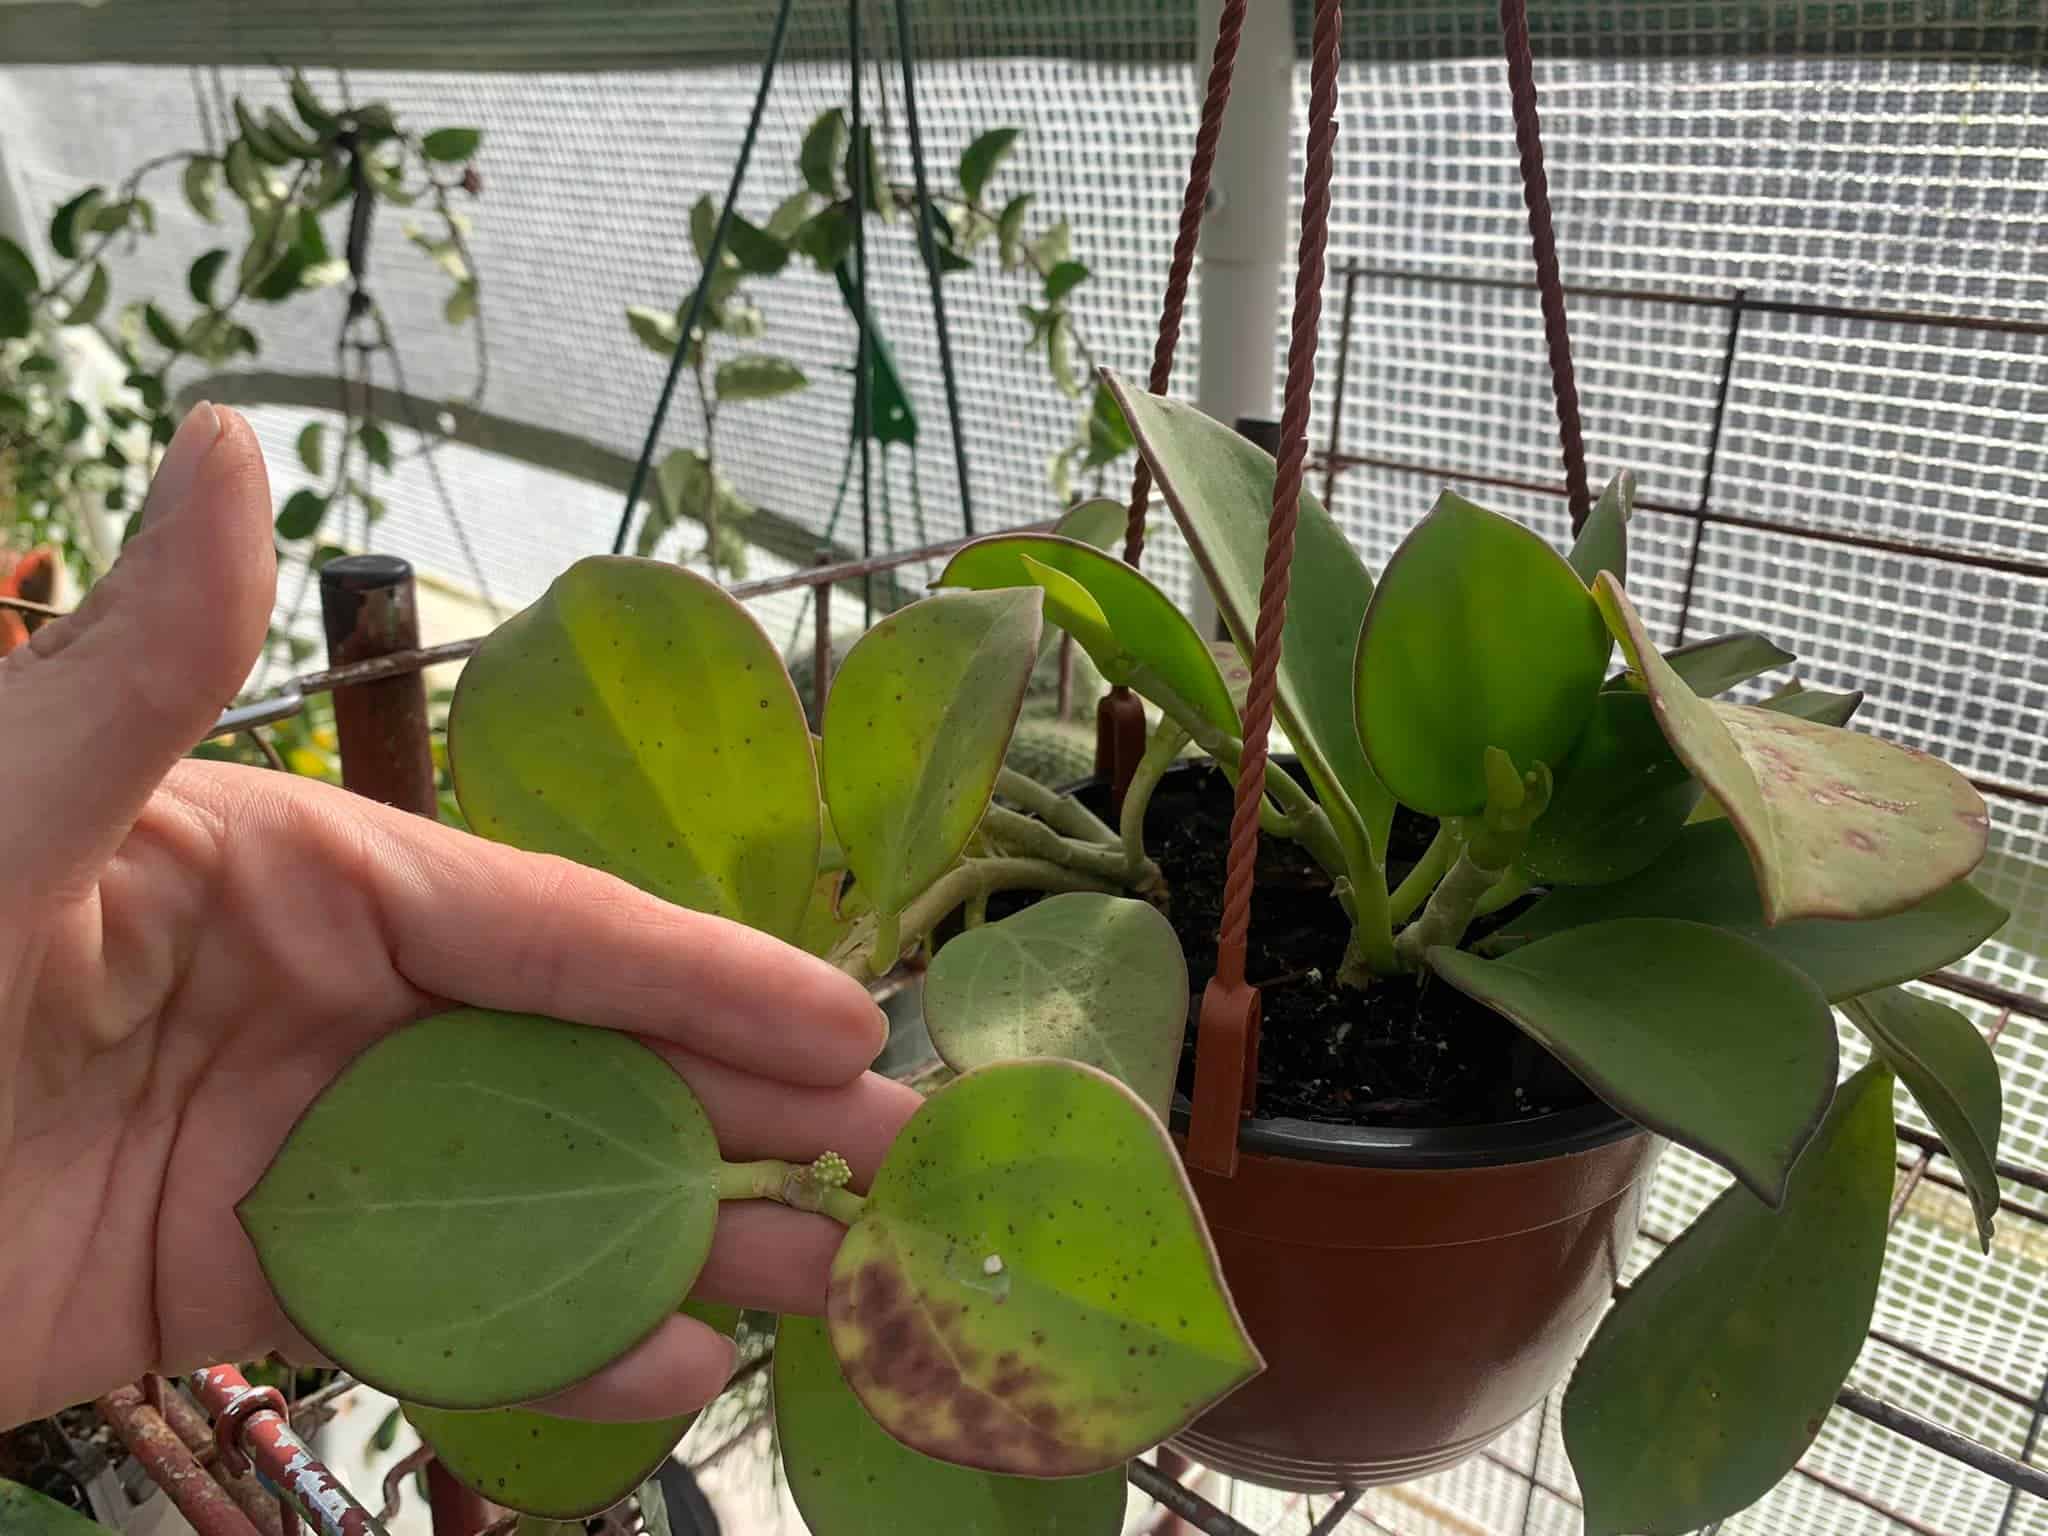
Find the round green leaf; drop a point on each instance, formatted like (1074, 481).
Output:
(1838, 824)
(637, 719)
(1144, 627)
(1711, 1377)
(73, 219)
(1687, 1030)
(1090, 978)
(451, 144)
(915, 729)
(312, 448)
(24, 1512)
(487, 1207)
(563, 1469)
(1478, 636)
(1602, 545)
(1220, 488)
(1949, 1066)
(1619, 799)
(302, 515)
(1705, 877)
(847, 1475)
(1030, 1288)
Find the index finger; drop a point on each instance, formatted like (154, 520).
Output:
(477, 922)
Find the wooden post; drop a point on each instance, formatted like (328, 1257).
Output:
(368, 608)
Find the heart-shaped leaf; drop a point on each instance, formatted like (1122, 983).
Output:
(848, 1476)
(1685, 1029)
(1711, 1377)
(484, 1208)
(1939, 1054)
(1031, 1289)
(562, 1469)
(1090, 978)
(1479, 636)
(1220, 488)
(1602, 545)
(636, 719)
(916, 724)
(1132, 623)
(1620, 798)
(1838, 824)
(1711, 667)
(1705, 877)
(24, 1512)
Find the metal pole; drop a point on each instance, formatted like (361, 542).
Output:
(821, 649)
(250, 1423)
(171, 1465)
(368, 606)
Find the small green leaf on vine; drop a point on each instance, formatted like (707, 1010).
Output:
(313, 449)
(301, 516)
(199, 281)
(982, 157)
(452, 145)
(69, 220)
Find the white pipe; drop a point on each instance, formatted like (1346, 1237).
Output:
(1241, 273)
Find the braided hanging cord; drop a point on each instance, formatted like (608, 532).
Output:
(1287, 481)
(1514, 26)
(1194, 203)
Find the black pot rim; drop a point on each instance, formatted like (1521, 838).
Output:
(1424, 1146)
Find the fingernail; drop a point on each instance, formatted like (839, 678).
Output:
(172, 486)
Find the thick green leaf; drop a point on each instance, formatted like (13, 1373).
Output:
(1099, 521)
(1602, 545)
(1030, 1288)
(824, 147)
(1690, 1031)
(1838, 824)
(451, 144)
(847, 1475)
(1948, 1065)
(915, 729)
(1478, 636)
(1816, 704)
(202, 187)
(72, 220)
(487, 1207)
(1711, 667)
(755, 377)
(1089, 978)
(1146, 629)
(87, 306)
(571, 733)
(980, 159)
(560, 1468)
(1620, 798)
(1712, 1376)
(24, 1512)
(1705, 877)
(17, 272)
(1220, 488)
(302, 515)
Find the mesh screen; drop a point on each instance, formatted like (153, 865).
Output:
(1678, 165)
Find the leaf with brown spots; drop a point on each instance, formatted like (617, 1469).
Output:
(1711, 1377)
(1837, 824)
(915, 729)
(636, 719)
(849, 1478)
(1031, 1289)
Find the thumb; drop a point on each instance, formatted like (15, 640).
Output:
(97, 706)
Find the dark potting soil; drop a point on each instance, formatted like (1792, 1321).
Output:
(1405, 1052)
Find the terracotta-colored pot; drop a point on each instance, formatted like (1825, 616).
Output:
(1414, 1292)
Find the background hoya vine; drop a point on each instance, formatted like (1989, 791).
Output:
(815, 221)
(88, 377)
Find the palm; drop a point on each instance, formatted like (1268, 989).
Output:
(201, 956)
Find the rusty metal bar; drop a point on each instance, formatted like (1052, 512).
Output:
(1699, 529)
(1598, 293)
(1944, 1441)
(1333, 1517)
(456, 1509)
(1991, 992)
(250, 1423)
(171, 1464)
(190, 1426)
(2012, 1497)
(367, 605)
(1185, 1503)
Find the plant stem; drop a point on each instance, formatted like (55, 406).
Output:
(1160, 752)
(886, 948)
(1015, 833)
(1451, 908)
(1493, 841)
(1506, 889)
(819, 1186)
(1062, 812)
(1422, 879)
(957, 886)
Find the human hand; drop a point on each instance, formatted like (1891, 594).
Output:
(193, 950)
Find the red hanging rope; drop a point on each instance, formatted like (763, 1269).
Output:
(1194, 203)
(1287, 481)
(1514, 26)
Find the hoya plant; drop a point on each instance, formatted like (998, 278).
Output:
(1667, 891)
